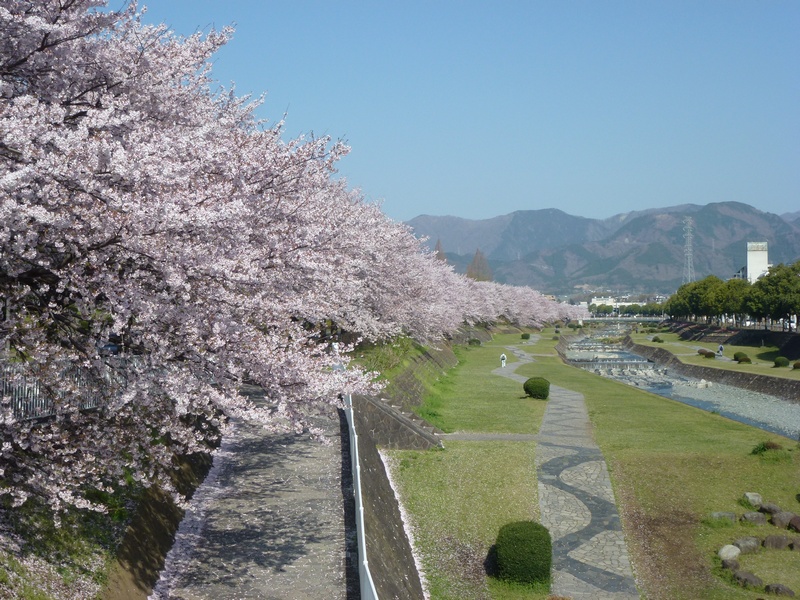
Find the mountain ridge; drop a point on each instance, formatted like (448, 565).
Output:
(639, 251)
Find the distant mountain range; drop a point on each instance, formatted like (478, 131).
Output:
(642, 251)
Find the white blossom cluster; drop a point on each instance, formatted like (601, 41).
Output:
(139, 202)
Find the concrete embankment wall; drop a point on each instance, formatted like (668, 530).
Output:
(385, 423)
(788, 389)
(391, 428)
(388, 550)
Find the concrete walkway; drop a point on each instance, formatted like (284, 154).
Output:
(269, 522)
(590, 560)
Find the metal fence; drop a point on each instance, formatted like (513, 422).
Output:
(27, 398)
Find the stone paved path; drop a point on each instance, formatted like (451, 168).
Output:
(268, 523)
(576, 501)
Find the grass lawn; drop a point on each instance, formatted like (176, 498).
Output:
(459, 497)
(763, 357)
(470, 398)
(671, 466)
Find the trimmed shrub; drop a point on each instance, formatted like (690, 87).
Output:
(526, 336)
(709, 354)
(657, 339)
(524, 552)
(705, 353)
(474, 342)
(537, 387)
(781, 361)
(737, 356)
(796, 365)
(745, 360)
(556, 337)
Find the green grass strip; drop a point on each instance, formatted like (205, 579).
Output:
(471, 398)
(459, 497)
(671, 466)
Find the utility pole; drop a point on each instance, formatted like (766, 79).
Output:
(688, 264)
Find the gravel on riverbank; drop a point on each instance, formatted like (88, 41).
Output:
(764, 411)
(775, 414)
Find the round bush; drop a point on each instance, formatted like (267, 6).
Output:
(709, 354)
(526, 336)
(537, 387)
(745, 360)
(796, 365)
(556, 337)
(524, 552)
(739, 355)
(474, 342)
(781, 361)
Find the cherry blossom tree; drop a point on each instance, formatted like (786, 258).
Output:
(141, 204)
(138, 203)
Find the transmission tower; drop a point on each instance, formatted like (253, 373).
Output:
(688, 235)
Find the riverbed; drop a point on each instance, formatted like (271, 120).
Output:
(767, 412)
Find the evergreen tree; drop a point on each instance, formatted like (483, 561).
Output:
(439, 252)
(479, 269)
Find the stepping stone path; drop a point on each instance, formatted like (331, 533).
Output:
(590, 559)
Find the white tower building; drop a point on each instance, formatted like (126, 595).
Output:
(757, 260)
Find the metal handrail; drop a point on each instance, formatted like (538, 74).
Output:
(368, 591)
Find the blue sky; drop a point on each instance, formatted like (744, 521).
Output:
(480, 108)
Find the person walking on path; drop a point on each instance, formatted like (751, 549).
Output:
(503, 359)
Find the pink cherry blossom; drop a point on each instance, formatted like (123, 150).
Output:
(140, 202)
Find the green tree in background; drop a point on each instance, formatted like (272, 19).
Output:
(479, 269)
(774, 296)
(439, 252)
(779, 292)
(732, 298)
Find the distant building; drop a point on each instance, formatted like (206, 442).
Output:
(615, 303)
(757, 260)
(610, 300)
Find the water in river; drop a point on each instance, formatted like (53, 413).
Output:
(764, 411)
